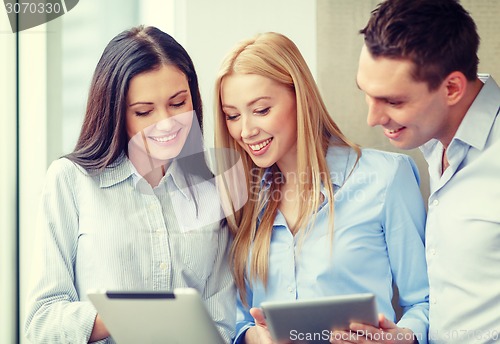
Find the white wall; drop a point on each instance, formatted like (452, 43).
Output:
(8, 195)
(33, 143)
(209, 29)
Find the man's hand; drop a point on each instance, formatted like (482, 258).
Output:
(387, 333)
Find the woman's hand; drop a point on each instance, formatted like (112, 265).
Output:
(387, 333)
(99, 331)
(258, 334)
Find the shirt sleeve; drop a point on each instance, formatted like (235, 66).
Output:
(54, 312)
(404, 231)
(243, 318)
(220, 293)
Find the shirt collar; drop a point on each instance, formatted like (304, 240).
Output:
(178, 177)
(123, 168)
(116, 172)
(340, 161)
(478, 121)
(429, 148)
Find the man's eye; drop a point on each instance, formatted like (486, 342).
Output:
(393, 102)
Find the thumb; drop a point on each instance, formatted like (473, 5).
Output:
(258, 315)
(385, 323)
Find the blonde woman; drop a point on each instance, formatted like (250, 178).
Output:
(292, 241)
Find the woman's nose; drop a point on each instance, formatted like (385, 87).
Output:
(248, 129)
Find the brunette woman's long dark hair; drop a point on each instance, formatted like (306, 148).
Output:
(103, 138)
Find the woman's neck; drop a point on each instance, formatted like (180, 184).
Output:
(151, 170)
(154, 176)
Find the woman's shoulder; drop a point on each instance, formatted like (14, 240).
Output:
(65, 168)
(369, 158)
(385, 157)
(388, 164)
(371, 163)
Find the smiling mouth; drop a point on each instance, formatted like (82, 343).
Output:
(163, 139)
(260, 146)
(394, 131)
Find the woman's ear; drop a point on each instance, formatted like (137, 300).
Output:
(456, 85)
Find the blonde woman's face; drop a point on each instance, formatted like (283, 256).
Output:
(261, 115)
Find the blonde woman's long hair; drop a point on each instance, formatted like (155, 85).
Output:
(274, 56)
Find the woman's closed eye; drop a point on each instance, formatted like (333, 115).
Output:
(232, 117)
(142, 113)
(263, 112)
(179, 104)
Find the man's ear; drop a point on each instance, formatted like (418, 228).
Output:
(456, 85)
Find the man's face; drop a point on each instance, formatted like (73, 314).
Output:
(408, 112)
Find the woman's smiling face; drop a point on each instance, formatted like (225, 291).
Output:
(261, 115)
(159, 112)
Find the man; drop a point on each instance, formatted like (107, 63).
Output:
(418, 70)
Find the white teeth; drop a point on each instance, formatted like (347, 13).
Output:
(260, 145)
(165, 138)
(394, 131)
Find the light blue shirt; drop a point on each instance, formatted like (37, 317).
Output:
(378, 241)
(463, 227)
(107, 231)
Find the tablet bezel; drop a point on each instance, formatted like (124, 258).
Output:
(179, 316)
(295, 321)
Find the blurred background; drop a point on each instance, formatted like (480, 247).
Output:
(45, 74)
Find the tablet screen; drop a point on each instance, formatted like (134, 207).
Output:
(311, 321)
(155, 317)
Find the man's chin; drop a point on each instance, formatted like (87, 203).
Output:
(403, 145)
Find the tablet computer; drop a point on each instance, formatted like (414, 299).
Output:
(155, 317)
(310, 321)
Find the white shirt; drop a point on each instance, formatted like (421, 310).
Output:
(463, 227)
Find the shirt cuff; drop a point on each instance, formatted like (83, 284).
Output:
(419, 329)
(240, 337)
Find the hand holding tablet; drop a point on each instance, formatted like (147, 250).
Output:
(312, 321)
(178, 317)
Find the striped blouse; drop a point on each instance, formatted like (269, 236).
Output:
(112, 231)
